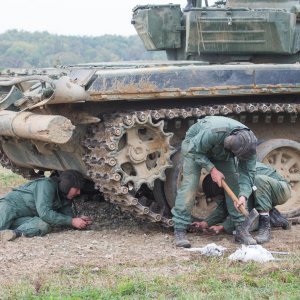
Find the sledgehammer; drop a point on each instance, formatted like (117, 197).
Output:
(250, 217)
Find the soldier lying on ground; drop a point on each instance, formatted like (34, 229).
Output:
(272, 190)
(215, 143)
(33, 208)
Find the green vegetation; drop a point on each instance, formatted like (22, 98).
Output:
(169, 278)
(201, 278)
(9, 179)
(21, 49)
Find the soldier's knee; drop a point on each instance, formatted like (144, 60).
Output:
(260, 180)
(43, 227)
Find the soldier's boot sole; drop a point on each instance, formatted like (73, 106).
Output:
(180, 238)
(261, 239)
(7, 235)
(246, 241)
(183, 244)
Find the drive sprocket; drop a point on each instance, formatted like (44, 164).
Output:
(126, 152)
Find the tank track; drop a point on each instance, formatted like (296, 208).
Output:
(103, 140)
(101, 158)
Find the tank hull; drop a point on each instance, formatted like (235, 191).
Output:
(126, 121)
(129, 120)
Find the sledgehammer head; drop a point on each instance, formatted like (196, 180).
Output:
(250, 219)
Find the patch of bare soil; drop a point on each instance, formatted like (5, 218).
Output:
(115, 238)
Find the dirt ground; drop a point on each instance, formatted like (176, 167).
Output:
(114, 239)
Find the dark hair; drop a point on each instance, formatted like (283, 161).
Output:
(210, 188)
(68, 179)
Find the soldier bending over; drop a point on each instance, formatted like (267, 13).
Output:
(213, 143)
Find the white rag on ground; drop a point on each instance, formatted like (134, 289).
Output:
(252, 253)
(209, 250)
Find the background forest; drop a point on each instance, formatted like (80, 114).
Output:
(21, 49)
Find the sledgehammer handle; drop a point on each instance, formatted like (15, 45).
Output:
(234, 198)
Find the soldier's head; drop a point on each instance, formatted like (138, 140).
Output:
(242, 143)
(70, 183)
(211, 189)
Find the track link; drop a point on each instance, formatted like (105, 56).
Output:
(104, 139)
(103, 144)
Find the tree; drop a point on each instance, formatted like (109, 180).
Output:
(41, 49)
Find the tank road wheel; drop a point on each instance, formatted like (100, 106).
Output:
(203, 207)
(284, 156)
(143, 153)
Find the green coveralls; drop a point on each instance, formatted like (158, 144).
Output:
(203, 147)
(32, 208)
(272, 190)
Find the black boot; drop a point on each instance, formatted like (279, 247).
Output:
(180, 238)
(278, 220)
(243, 236)
(264, 229)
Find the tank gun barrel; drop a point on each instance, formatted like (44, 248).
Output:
(48, 128)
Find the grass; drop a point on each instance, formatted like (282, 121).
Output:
(201, 278)
(9, 179)
(171, 278)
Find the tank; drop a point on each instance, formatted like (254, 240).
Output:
(122, 124)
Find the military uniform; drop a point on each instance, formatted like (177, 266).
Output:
(34, 207)
(272, 190)
(203, 147)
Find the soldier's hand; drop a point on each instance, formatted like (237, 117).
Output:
(216, 229)
(79, 223)
(217, 176)
(87, 219)
(242, 201)
(201, 225)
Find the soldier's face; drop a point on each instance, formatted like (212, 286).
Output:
(73, 192)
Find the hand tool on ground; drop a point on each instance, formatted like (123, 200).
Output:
(249, 217)
(280, 252)
(295, 220)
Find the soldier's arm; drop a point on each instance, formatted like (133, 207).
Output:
(45, 193)
(67, 210)
(200, 146)
(247, 171)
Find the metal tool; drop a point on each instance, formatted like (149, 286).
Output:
(250, 217)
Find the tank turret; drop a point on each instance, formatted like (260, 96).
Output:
(238, 30)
